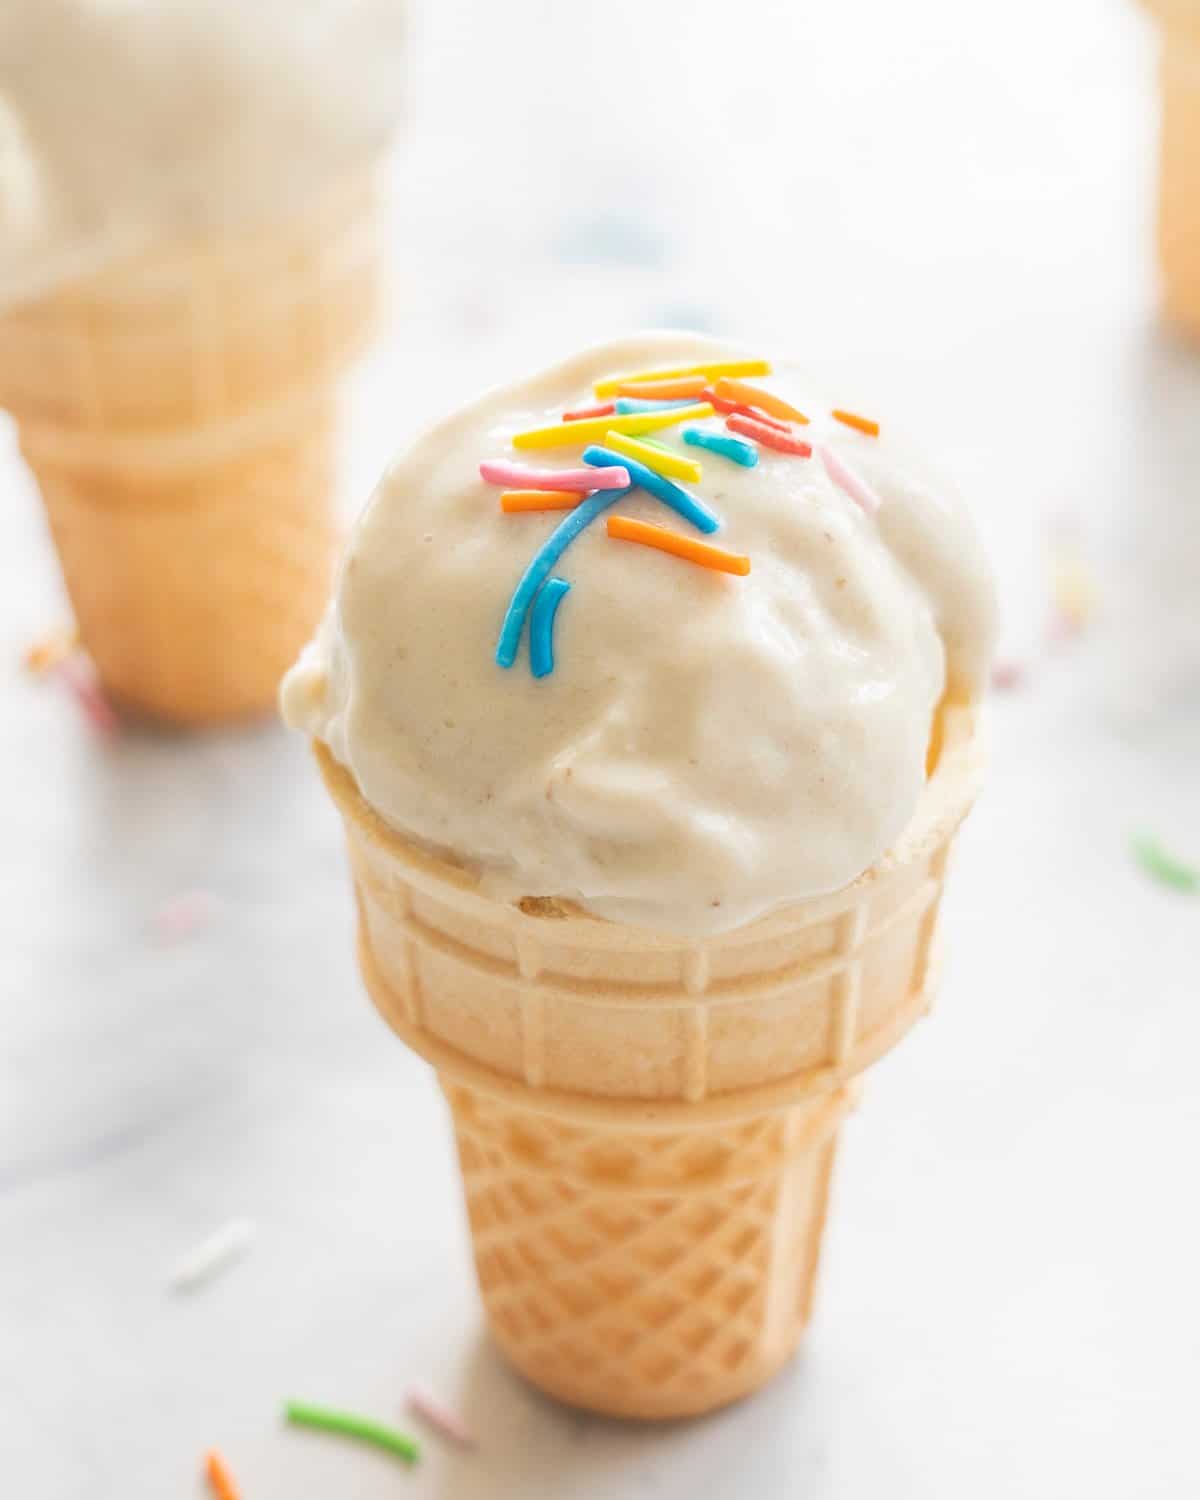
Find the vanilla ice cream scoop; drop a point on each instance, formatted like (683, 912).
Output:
(709, 745)
(124, 121)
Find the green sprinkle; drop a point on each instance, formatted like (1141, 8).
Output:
(653, 442)
(300, 1414)
(1155, 861)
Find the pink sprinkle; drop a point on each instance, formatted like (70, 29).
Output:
(80, 676)
(182, 915)
(440, 1417)
(1008, 676)
(846, 479)
(521, 477)
(600, 409)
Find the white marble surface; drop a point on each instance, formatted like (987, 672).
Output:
(951, 220)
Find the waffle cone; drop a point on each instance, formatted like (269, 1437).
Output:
(178, 413)
(1179, 163)
(647, 1125)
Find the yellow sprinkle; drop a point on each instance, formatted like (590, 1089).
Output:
(594, 429)
(1074, 588)
(609, 385)
(674, 465)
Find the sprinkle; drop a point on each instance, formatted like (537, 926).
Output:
(516, 500)
(539, 569)
(628, 406)
(846, 479)
(496, 471)
(301, 1414)
(687, 385)
(753, 395)
(736, 408)
(181, 915)
(593, 428)
(541, 625)
(864, 424)
(219, 1477)
(656, 456)
(1008, 676)
(626, 529)
(659, 486)
(732, 448)
(423, 1404)
(80, 677)
(1074, 591)
(768, 436)
(612, 383)
(213, 1255)
(1156, 862)
(46, 654)
(597, 409)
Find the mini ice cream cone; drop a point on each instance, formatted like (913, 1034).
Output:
(178, 413)
(1179, 162)
(646, 1125)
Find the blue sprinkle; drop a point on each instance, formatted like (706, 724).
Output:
(660, 487)
(543, 560)
(628, 406)
(541, 625)
(745, 454)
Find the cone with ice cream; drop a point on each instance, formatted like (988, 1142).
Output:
(650, 897)
(191, 260)
(1179, 161)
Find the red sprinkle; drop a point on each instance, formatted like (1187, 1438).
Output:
(601, 409)
(768, 435)
(735, 408)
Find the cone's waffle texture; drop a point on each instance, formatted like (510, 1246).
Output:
(1179, 162)
(178, 413)
(646, 1125)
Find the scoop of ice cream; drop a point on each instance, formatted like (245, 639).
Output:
(125, 120)
(708, 746)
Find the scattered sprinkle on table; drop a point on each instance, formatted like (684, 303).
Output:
(848, 481)
(220, 1480)
(768, 436)
(346, 1424)
(426, 1406)
(612, 383)
(44, 655)
(213, 1255)
(731, 448)
(564, 433)
(851, 419)
(626, 529)
(1167, 870)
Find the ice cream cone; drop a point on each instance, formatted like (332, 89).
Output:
(178, 413)
(646, 1125)
(1179, 162)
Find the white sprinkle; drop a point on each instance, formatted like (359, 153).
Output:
(181, 915)
(422, 1404)
(846, 479)
(213, 1255)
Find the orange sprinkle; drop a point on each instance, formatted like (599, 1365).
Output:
(864, 424)
(44, 655)
(514, 500)
(220, 1478)
(658, 390)
(738, 390)
(626, 529)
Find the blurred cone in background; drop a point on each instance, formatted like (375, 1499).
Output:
(1179, 161)
(178, 411)
(647, 1125)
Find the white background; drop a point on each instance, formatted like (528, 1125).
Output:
(945, 210)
